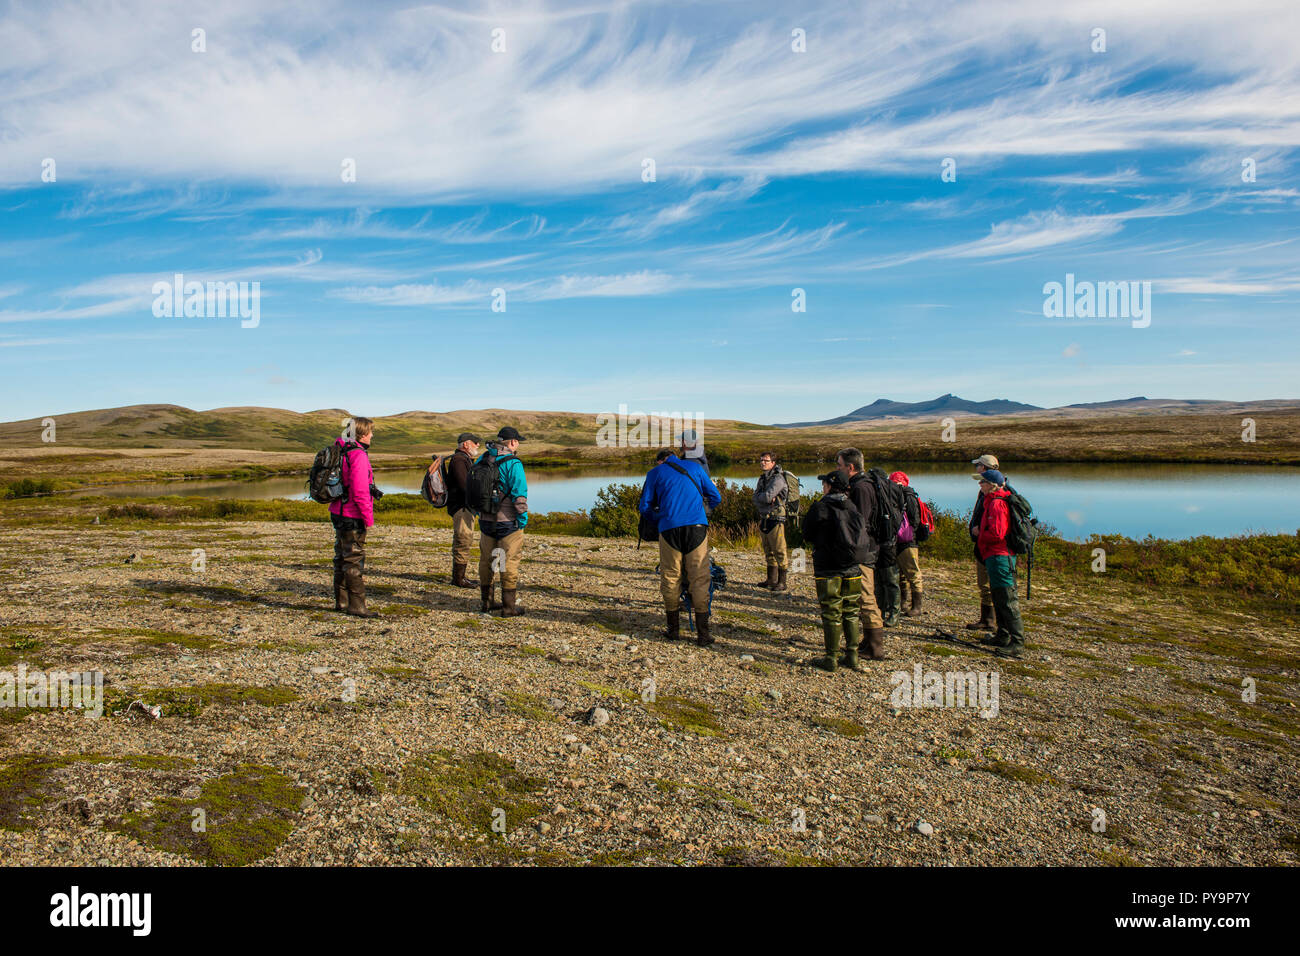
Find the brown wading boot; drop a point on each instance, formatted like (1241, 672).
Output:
(702, 635)
(508, 606)
(357, 599)
(459, 578)
(780, 581)
(771, 578)
(340, 592)
(674, 630)
(485, 592)
(987, 621)
(873, 644)
(915, 609)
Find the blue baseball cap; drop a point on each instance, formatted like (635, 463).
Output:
(993, 475)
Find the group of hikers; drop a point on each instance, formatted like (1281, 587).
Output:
(864, 531)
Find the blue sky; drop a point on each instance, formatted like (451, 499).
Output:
(522, 170)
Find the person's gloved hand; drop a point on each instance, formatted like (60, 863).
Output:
(375, 493)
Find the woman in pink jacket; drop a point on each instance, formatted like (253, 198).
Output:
(1000, 563)
(351, 516)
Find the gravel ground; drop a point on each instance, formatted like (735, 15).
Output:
(1120, 738)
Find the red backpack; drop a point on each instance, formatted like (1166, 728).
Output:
(927, 520)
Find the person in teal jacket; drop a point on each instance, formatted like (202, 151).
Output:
(501, 534)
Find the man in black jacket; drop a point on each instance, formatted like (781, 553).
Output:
(833, 527)
(889, 596)
(863, 496)
(462, 518)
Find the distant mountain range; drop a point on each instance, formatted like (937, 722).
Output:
(953, 405)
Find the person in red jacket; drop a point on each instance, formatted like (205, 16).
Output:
(1000, 563)
(352, 515)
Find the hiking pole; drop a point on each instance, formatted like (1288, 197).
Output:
(1029, 572)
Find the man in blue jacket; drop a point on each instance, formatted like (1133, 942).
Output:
(677, 490)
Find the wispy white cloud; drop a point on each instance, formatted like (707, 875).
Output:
(415, 95)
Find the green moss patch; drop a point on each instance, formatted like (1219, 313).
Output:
(247, 814)
(465, 790)
(192, 701)
(156, 638)
(845, 728)
(682, 713)
(528, 705)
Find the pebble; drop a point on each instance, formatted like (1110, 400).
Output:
(923, 828)
(597, 716)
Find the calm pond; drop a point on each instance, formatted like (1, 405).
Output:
(1167, 501)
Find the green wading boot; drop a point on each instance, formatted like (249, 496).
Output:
(831, 633)
(852, 638)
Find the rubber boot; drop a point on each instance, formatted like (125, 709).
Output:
(357, 600)
(340, 592)
(889, 592)
(915, 609)
(831, 633)
(987, 622)
(780, 581)
(771, 578)
(1007, 603)
(485, 592)
(673, 632)
(460, 577)
(702, 635)
(904, 590)
(873, 644)
(509, 607)
(852, 638)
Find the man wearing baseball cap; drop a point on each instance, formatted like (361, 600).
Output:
(501, 540)
(987, 620)
(456, 474)
(693, 448)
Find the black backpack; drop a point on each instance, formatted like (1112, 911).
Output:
(325, 480)
(483, 487)
(888, 518)
(1022, 526)
(919, 529)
